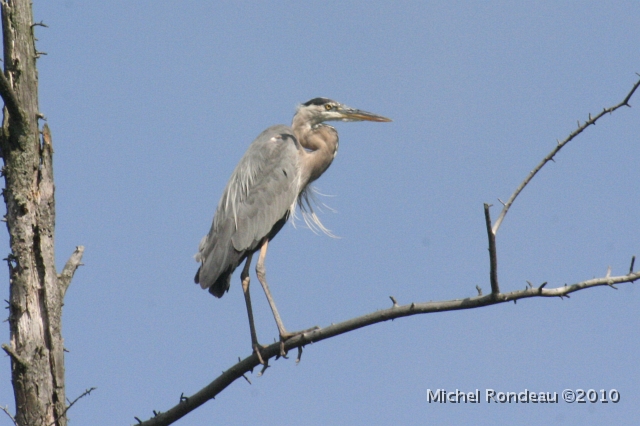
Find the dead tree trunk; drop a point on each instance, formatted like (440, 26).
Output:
(36, 290)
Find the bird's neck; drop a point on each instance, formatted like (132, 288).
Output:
(319, 147)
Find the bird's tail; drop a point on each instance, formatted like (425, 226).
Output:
(220, 286)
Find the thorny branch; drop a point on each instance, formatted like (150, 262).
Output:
(491, 232)
(85, 393)
(188, 404)
(6, 411)
(549, 157)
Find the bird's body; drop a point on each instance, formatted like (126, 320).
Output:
(273, 175)
(258, 200)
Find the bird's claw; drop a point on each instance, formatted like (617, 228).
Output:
(289, 335)
(256, 349)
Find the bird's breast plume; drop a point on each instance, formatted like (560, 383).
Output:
(307, 203)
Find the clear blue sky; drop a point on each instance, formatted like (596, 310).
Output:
(151, 104)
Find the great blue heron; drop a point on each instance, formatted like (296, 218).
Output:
(272, 176)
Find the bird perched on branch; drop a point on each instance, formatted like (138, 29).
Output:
(261, 195)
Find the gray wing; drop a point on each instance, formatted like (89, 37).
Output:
(260, 193)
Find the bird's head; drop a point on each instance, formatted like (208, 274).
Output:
(319, 110)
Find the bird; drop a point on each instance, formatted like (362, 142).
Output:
(272, 177)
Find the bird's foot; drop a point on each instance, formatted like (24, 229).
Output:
(256, 349)
(286, 335)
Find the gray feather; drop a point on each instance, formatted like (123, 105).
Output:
(258, 196)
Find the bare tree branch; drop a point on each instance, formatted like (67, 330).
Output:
(14, 355)
(6, 411)
(10, 100)
(493, 255)
(64, 278)
(85, 393)
(188, 404)
(549, 157)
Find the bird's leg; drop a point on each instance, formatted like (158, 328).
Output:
(247, 298)
(262, 277)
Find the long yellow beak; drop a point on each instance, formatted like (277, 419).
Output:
(351, 114)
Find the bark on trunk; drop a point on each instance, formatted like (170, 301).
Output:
(36, 291)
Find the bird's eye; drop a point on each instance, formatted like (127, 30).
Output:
(328, 107)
